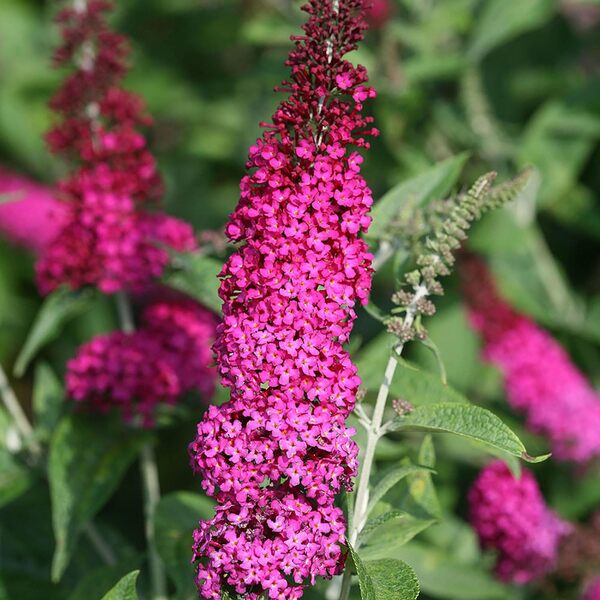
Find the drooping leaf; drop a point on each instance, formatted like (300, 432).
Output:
(48, 397)
(125, 589)
(59, 307)
(176, 516)
(88, 457)
(196, 275)
(435, 182)
(465, 420)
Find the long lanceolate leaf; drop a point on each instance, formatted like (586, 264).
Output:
(88, 458)
(59, 307)
(465, 420)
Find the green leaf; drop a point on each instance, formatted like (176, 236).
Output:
(125, 589)
(88, 458)
(420, 485)
(367, 589)
(176, 517)
(394, 527)
(501, 21)
(465, 420)
(197, 276)
(103, 578)
(48, 399)
(388, 481)
(559, 140)
(57, 309)
(435, 182)
(15, 478)
(392, 579)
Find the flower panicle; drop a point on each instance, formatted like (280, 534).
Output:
(136, 372)
(438, 231)
(275, 456)
(110, 239)
(510, 516)
(555, 397)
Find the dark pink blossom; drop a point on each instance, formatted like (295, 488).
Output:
(511, 518)
(540, 379)
(278, 452)
(113, 236)
(135, 372)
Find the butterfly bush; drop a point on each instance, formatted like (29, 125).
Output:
(30, 216)
(511, 517)
(169, 354)
(278, 452)
(113, 237)
(540, 379)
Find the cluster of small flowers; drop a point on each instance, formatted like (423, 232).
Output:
(110, 239)
(511, 517)
(278, 452)
(134, 372)
(540, 379)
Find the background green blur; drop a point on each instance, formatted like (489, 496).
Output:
(513, 83)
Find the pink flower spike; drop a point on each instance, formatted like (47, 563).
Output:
(289, 294)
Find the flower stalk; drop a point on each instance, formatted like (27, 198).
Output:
(149, 474)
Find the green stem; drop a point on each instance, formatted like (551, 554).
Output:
(125, 312)
(14, 408)
(150, 479)
(151, 499)
(374, 433)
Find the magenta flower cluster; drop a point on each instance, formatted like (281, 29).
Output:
(278, 452)
(540, 379)
(511, 518)
(135, 372)
(110, 238)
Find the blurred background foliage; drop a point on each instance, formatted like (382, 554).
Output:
(513, 84)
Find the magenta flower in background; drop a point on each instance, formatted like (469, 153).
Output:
(278, 452)
(114, 237)
(30, 216)
(592, 592)
(135, 372)
(379, 13)
(511, 518)
(540, 379)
